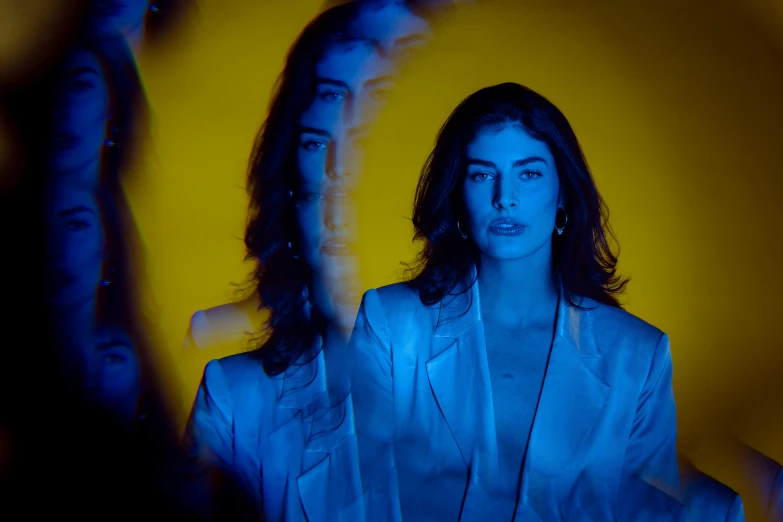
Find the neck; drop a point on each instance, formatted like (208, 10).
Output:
(135, 37)
(517, 293)
(77, 322)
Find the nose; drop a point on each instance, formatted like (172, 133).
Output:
(341, 161)
(504, 197)
(339, 214)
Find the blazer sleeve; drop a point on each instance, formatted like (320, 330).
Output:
(373, 401)
(209, 433)
(652, 449)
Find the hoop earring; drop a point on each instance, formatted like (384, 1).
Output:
(294, 255)
(108, 281)
(463, 234)
(561, 229)
(111, 139)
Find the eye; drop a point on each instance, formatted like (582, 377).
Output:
(379, 95)
(480, 176)
(310, 196)
(332, 96)
(76, 225)
(80, 86)
(314, 145)
(531, 174)
(113, 359)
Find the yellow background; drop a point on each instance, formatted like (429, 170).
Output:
(679, 108)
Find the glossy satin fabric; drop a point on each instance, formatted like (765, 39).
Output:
(425, 423)
(707, 500)
(277, 441)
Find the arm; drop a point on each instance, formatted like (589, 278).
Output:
(209, 439)
(373, 402)
(652, 449)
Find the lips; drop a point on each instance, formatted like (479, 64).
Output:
(336, 247)
(59, 279)
(506, 226)
(61, 141)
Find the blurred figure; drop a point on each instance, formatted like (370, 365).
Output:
(396, 29)
(99, 113)
(504, 373)
(120, 432)
(291, 392)
(706, 499)
(135, 21)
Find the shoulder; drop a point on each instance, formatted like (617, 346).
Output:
(396, 304)
(236, 377)
(622, 336)
(231, 324)
(702, 492)
(609, 320)
(613, 326)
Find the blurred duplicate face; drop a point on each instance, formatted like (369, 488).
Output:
(352, 81)
(75, 246)
(391, 23)
(81, 114)
(109, 18)
(112, 376)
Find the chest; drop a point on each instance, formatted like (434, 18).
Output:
(517, 363)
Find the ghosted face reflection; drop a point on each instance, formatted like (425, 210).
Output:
(352, 80)
(113, 376)
(390, 22)
(109, 18)
(510, 192)
(76, 246)
(81, 113)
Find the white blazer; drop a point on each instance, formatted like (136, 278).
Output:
(425, 422)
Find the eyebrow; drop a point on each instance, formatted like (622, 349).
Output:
(81, 70)
(358, 131)
(330, 81)
(413, 38)
(75, 210)
(517, 163)
(372, 82)
(108, 345)
(313, 130)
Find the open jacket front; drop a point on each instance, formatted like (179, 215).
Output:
(426, 429)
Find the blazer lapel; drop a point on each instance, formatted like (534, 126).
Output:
(459, 378)
(572, 399)
(329, 483)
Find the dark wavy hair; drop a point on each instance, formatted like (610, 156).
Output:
(283, 280)
(583, 262)
(128, 125)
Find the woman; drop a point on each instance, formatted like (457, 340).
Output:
(99, 113)
(275, 424)
(397, 28)
(504, 377)
(118, 420)
(136, 21)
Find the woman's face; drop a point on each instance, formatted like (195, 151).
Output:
(352, 83)
(76, 246)
(112, 373)
(399, 31)
(510, 192)
(117, 17)
(81, 113)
